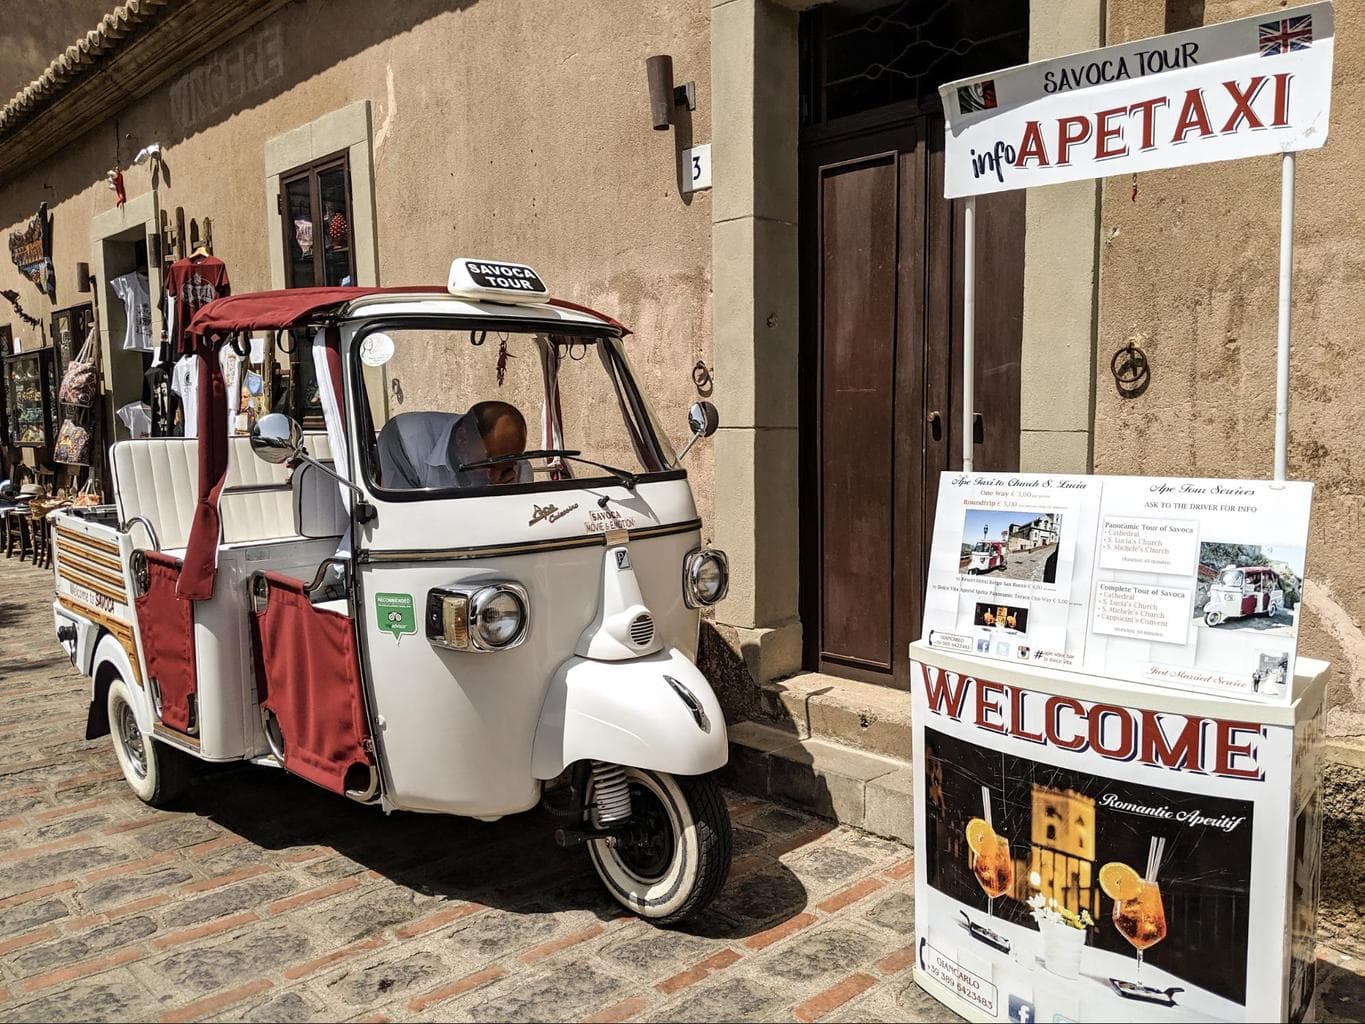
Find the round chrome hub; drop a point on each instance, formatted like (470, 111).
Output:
(131, 738)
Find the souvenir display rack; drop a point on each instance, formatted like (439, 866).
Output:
(30, 395)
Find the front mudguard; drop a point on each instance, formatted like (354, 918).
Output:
(629, 713)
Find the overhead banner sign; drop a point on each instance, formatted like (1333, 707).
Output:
(1251, 87)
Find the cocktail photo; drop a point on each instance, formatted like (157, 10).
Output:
(1011, 618)
(1135, 894)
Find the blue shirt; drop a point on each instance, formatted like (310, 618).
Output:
(417, 450)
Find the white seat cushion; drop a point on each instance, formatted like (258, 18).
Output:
(158, 478)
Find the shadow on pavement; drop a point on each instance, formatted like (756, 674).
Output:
(1341, 993)
(512, 864)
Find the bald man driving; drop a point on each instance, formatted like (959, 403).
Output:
(431, 449)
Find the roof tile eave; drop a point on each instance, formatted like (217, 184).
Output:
(77, 60)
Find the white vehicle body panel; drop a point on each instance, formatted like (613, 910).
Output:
(456, 728)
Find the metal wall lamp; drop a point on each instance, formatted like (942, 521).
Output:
(663, 95)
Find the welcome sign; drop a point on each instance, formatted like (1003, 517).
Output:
(1251, 87)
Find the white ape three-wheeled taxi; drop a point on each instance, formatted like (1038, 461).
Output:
(473, 590)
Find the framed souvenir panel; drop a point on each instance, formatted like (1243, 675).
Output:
(6, 348)
(28, 398)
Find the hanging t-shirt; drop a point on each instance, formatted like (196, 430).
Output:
(137, 417)
(185, 383)
(193, 282)
(137, 307)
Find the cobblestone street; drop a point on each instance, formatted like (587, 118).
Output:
(267, 899)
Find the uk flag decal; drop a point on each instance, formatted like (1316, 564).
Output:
(1286, 35)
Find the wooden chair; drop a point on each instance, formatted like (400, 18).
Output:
(16, 531)
(37, 528)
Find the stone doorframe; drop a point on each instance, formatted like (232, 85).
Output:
(754, 248)
(122, 371)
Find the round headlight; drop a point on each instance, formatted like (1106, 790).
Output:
(497, 616)
(708, 577)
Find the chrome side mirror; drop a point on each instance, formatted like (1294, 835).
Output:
(276, 438)
(702, 420)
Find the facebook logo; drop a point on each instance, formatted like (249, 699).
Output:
(1021, 1012)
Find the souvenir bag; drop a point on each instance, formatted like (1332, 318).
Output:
(80, 381)
(87, 496)
(73, 444)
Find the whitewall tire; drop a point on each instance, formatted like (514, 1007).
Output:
(672, 861)
(155, 772)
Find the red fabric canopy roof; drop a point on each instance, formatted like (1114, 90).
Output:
(292, 307)
(278, 310)
(259, 311)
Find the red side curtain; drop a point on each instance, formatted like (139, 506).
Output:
(312, 684)
(166, 625)
(201, 553)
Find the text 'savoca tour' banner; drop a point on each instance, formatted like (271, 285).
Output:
(1242, 88)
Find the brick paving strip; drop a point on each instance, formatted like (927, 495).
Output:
(263, 898)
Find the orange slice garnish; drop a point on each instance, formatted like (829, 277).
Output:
(1120, 882)
(978, 831)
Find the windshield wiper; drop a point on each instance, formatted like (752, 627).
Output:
(626, 478)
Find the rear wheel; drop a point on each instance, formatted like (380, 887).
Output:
(672, 859)
(154, 771)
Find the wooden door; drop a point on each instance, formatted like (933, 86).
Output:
(881, 389)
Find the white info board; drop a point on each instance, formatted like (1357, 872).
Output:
(1189, 584)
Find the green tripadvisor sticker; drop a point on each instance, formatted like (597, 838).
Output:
(395, 614)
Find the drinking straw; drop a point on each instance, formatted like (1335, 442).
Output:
(986, 804)
(1156, 860)
(1155, 848)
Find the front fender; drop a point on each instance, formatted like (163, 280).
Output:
(627, 712)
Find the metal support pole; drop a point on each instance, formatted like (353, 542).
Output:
(1282, 337)
(968, 331)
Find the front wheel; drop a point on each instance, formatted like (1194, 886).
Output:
(1212, 618)
(672, 859)
(155, 772)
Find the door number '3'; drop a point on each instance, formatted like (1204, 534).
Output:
(697, 168)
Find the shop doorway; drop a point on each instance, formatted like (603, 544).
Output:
(124, 369)
(881, 338)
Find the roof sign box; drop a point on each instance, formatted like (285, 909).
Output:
(496, 281)
(1251, 87)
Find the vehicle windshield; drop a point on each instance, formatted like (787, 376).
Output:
(457, 411)
(1231, 578)
(983, 548)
